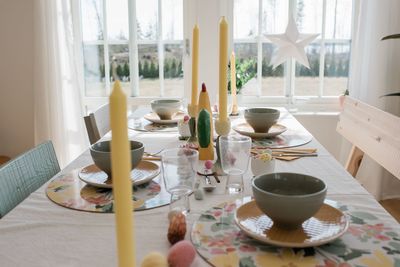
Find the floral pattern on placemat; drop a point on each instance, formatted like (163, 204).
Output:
(69, 191)
(285, 140)
(367, 242)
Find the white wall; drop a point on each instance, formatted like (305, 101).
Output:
(16, 76)
(323, 128)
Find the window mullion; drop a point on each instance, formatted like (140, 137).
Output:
(259, 48)
(291, 63)
(133, 49)
(106, 56)
(322, 52)
(160, 49)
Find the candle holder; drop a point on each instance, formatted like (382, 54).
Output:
(235, 109)
(192, 141)
(192, 110)
(222, 127)
(217, 167)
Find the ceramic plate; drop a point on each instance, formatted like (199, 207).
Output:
(143, 173)
(245, 129)
(153, 117)
(326, 225)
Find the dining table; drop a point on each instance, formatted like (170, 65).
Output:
(39, 232)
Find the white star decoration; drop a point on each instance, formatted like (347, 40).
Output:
(291, 44)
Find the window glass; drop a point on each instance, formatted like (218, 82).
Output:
(246, 68)
(149, 82)
(172, 19)
(245, 19)
(309, 16)
(338, 19)
(94, 70)
(307, 80)
(92, 20)
(147, 17)
(273, 81)
(119, 65)
(173, 70)
(117, 20)
(337, 59)
(274, 16)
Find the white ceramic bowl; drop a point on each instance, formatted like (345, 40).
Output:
(288, 198)
(261, 119)
(166, 108)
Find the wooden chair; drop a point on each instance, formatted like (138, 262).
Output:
(98, 123)
(373, 132)
(25, 174)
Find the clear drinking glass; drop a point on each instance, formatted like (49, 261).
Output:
(235, 155)
(179, 168)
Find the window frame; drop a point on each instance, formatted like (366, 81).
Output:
(317, 102)
(190, 13)
(133, 43)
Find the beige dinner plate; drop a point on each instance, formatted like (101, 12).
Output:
(143, 173)
(245, 129)
(325, 226)
(153, 117)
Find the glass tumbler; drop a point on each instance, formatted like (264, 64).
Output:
(179, 168)
(235, 155)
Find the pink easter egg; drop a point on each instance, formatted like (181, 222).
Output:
(186, 118)
(181, 254)
(208, 164)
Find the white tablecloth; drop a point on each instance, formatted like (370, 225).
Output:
(41, 233)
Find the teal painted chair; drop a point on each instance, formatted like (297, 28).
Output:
(25, 174)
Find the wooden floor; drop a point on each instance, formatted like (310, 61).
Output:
(393, 207)
(3, 159)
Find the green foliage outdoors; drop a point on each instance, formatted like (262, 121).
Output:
(148, 69)
(245, 71)
(336, 65)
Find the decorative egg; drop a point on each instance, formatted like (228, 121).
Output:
(172, 213)
(181, 254)
(208, 164)
(198, 194)
(154, 259)
(177, 228)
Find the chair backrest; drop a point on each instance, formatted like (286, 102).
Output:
(98, 123)
(25, 174)
(371, 131)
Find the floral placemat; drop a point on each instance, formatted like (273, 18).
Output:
(290, 138)
(69, 191)
(368, 242)
(145, 126)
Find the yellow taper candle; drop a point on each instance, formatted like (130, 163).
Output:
(233, 84)
(223, 69)
(195, 71)
(122, 185)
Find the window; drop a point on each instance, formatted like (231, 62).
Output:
(140, 41)
(329, 54)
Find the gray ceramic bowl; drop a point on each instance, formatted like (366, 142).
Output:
(101, 154)
(288, 198)
(166, 108)
(261, 119)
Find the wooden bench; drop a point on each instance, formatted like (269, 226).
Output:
(375, 133)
